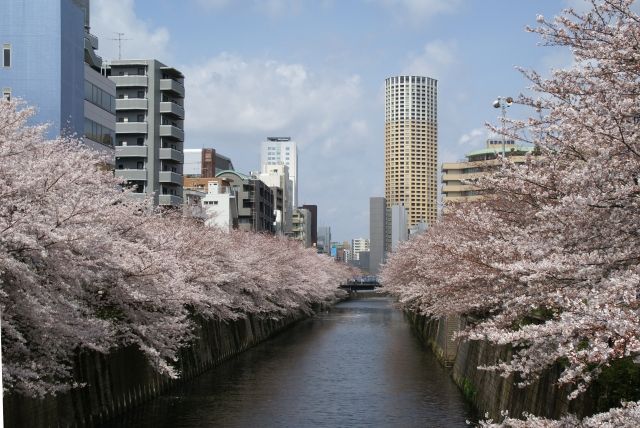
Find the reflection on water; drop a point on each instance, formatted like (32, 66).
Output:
(356, 366)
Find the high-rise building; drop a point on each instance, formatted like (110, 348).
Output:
(359, 245)
(149, 128)
(411, 146)
(281, 150)
(49, 61)
(377, 226)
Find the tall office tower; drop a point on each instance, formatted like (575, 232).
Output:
(49, 60)
(411, 146)
(149, 128)
(377, 227)
(281, 150)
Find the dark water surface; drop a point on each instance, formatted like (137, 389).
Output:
(356, 366)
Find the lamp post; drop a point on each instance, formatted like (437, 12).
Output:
(503, 103)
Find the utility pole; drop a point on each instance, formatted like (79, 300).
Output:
(119, 39)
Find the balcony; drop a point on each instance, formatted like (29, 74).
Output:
(131, 127)
(132, 174)
(172, 132)
(131, 104)
(173, 86)
(457, 188)
(170, 177)
(130, 81)
(171, 154)
(131, 151)
(172, 108)
(463, 176)
(172, 200)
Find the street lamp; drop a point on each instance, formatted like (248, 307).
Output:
(503, 103)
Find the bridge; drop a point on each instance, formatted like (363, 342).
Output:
(362, 283)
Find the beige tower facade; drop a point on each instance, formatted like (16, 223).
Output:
(411, 146)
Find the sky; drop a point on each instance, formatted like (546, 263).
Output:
(314, 70)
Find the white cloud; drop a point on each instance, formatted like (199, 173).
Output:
(434, 60)
(228, 94)
(418, 11)
(143, 41)
(474, 138)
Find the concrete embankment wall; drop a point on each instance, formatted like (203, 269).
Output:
(123, 379)
(488, 391)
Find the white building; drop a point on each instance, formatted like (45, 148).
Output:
(221, 206)
(399, 227)
(348, 255)
(278, 176)
(278, 151)
(358, 245)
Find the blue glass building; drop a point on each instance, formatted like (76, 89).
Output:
(45, 42)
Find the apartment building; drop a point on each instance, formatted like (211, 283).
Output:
(150, 128)
(411, 146)
(301, 226)
(457, 177)
(256, 211)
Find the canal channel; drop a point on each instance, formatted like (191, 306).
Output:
(358, 365)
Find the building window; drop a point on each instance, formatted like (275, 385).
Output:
(6, 94)
(6, 55)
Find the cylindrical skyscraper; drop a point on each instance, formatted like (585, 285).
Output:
(411, 146)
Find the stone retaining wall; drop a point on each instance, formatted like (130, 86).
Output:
(123, 379)
(489, 392)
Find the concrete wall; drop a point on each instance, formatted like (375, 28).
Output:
(123, 379)
(488, 391)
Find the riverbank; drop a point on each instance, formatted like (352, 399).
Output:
(489, 392)
(124, 379)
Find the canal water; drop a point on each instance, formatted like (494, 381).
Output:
(358, 365)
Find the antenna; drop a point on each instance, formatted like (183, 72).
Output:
(119, 39)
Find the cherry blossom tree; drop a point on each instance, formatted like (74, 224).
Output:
(549, 262)
(85, 267)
